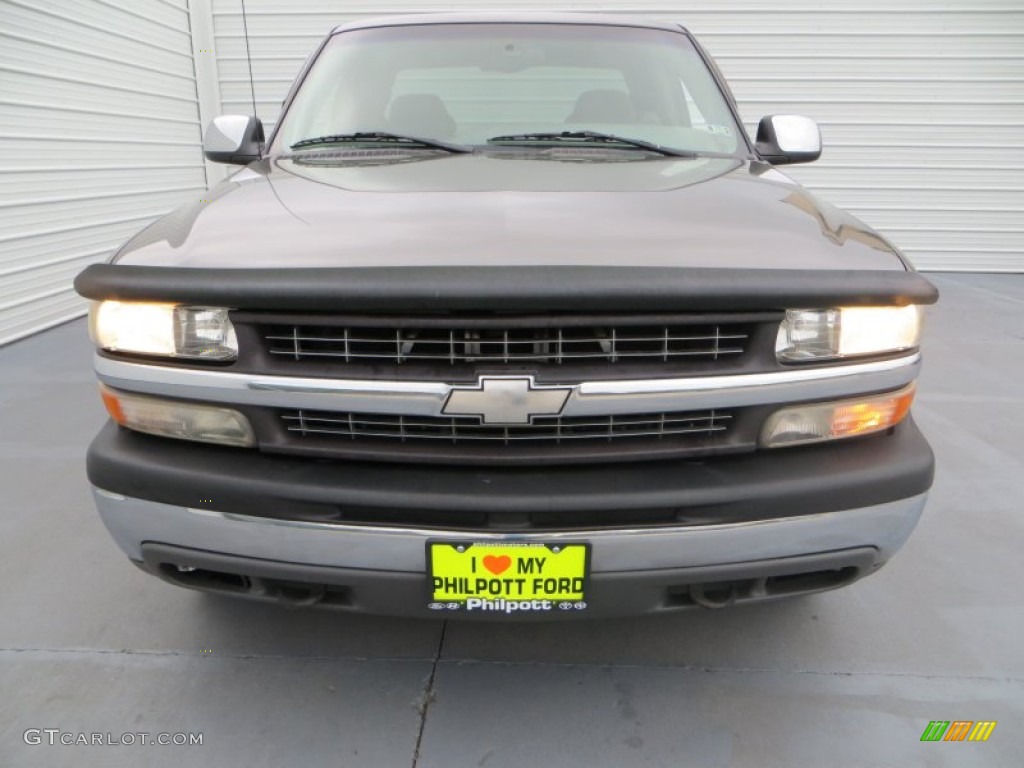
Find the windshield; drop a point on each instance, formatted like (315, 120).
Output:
(467, 83)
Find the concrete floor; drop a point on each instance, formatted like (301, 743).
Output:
(850, 678)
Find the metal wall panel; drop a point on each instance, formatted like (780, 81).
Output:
(99, 134)
(920, 102)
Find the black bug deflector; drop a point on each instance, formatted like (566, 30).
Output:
(546, 288)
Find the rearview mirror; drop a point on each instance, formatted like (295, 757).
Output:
(785, 139)
(235, 139)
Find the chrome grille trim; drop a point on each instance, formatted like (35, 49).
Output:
(427, 398)
(481, 345)
(544, 429)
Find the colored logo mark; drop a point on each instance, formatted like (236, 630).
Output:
(958, 730)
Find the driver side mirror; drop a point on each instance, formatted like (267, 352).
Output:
(234, 139)
(785, 139)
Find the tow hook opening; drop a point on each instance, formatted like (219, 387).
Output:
(722, 594)
(200, 578)
(293, 594)
(714, 595)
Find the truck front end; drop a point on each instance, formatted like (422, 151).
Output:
(467, 371)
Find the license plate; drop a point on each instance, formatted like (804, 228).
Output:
(507, 577)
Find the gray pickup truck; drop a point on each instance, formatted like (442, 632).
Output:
(509, 318)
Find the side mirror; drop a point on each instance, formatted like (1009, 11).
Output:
(234, 139)
(784, 139)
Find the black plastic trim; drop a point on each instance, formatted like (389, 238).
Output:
(540, 288)
(396, 593)
(755, 486)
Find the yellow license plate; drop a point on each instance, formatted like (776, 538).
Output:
(507, 577)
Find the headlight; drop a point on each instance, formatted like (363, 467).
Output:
(149, 328)
(173, 418)
(826, 334)
(802, 424)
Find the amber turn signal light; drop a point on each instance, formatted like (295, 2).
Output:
(802, 424)
(174, 418)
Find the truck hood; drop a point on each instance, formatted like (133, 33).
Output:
(509, 209)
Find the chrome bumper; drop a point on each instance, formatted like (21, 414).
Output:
(133, 522)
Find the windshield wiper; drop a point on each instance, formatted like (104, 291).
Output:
(590, 137)
(405, 142)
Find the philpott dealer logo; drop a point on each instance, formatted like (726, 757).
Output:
(958, 730)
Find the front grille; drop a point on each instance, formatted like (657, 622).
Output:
(556, 348)
(457, 343)
(551, 430)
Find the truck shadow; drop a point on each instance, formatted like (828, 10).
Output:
(750, 636)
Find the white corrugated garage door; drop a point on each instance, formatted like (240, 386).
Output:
(921, 102)
(99, 133)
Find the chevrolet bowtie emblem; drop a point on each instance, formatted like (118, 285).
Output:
(506, 400)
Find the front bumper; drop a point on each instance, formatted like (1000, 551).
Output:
(748, 527)
(383, 570)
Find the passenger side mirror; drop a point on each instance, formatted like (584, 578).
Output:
(234, 139)
(785, 139)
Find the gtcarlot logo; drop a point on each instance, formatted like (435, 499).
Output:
(55, 737)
